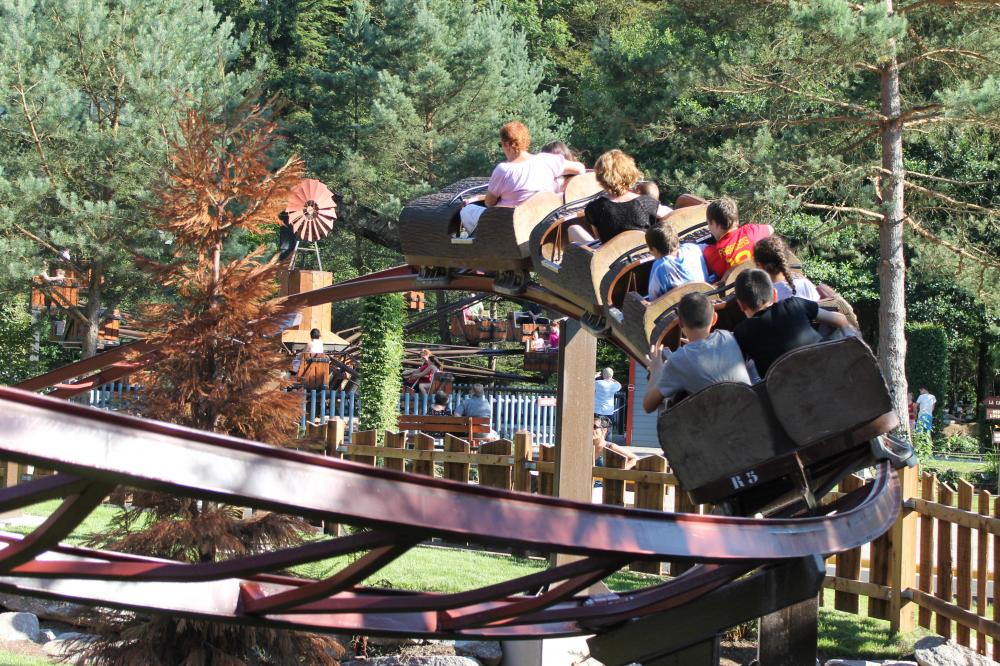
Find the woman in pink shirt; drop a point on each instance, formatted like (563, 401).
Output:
(523, 174)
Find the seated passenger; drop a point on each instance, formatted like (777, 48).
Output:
(440, 406)
(709, 357)
(476, 404)
(647, 188)
(315, 342)
(601, 443)
(619, 209)
(536, 344)
(771, 328)
(771, 255)
(513, 182)
(676, 263)
(554, 336)
(423, 377)
(559, 148)
(733, 243)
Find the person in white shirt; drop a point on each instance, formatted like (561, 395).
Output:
(925, 410)
(315, 342)
(605, 388)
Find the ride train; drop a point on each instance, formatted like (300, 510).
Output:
(777, 441)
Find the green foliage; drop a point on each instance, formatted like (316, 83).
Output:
(923, 445)
(959, 443)
(17, 337)
(381, 362)
(927, 363)
(90, 95)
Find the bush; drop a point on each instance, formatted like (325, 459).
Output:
(923, 445)
(381, 362)
(959, 443)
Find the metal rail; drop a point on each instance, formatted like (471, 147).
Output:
(109, 449)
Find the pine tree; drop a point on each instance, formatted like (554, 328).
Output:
(413, 95)
(90, 95)
(220, 368)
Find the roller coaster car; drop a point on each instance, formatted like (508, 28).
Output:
(544, 362)
(429, 229)
(816, 418)
(479, 329)
(520, 326)
(584, 274)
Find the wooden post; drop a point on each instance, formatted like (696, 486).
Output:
(575, 413)
(422, 442)
(682, 504)
(335, 429)
(927, 484)
(788, 636)
(614, 489)
(942, 591)
(996, 578)
(13, 474)
(982, 567)
(456, 471)
(365, 438)
(546, 480)
(963, 563)
(522, 456)
(496, 476)
(903, 551)
(649, 495)
(848, 562)
(394, 440)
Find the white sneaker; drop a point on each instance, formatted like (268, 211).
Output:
(464, 234)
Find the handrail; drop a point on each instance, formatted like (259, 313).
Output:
(461, 195)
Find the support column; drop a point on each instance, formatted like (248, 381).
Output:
(788, 637)
(903, 566)
(574, 416)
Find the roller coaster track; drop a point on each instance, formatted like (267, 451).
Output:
(110, 449)
(766, 564)
(122, 361)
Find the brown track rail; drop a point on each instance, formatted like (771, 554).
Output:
(111, 449)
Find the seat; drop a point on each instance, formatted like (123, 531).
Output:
(314, 371)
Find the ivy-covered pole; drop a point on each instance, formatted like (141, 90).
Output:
(381, 362)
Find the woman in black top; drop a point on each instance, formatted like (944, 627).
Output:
(620, 209)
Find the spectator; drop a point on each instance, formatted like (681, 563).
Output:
(619, 209)
(708, 357)
(733, 243)
(771, 328)
(675, 263)
(440, 406)
(925, 410)
(315, 342)
(523, 174)
(601, 444)
(476, 404)
(771, 255)
(605, 388)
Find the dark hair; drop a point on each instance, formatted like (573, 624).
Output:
(695, 311)
(602, 422)
(648, 188)
(315, 334)
(754, 289)
(559, 148)
(724, 213)
(440, 398)
(438, 363)
(771, 254)
(662, 238)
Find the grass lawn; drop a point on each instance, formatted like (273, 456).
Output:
(12, 659)
(446, 569)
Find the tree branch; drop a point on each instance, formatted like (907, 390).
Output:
(954, 3)
(975, 55)
(862, 212)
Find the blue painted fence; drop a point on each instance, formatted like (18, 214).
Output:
(514, 408)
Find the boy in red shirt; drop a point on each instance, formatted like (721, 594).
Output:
(733, 243)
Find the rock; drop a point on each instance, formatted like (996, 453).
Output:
(487, 652)
(46, 636)
(863, 662)
(403, 660)
(60, 611)
(936, 651)
(18, 627)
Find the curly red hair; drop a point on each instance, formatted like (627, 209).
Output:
(516, 135)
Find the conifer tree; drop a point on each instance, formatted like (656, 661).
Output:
(221, 369)
(411, 98)
(90, 95)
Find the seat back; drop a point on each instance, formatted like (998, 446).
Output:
(719, 433)
(828, 389)
(687, 220)
(581, 187)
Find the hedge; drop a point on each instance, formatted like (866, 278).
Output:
(381, 362)
(927, 364)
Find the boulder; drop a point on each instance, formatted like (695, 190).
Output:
(867, 662)
(403, 660)
(487, 652)
(18, 627)
(936, 651)
(59, 611)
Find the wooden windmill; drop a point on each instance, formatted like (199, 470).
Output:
(311, 212)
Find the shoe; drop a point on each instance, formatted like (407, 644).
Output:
(464, 234)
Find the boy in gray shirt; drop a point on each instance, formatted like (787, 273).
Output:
(708, 357)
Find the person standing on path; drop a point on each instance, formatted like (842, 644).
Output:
(605, 388)
(925, 410)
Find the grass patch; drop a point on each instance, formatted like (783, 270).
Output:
(14, 659)
(850, 636)
(97, 521)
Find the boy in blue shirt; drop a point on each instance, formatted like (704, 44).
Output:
(675, 263)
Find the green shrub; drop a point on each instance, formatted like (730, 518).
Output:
(959, 443)
(927, 364)
(381, 362)
(923, 445)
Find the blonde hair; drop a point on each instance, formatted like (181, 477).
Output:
(617, 172)
(516, 134)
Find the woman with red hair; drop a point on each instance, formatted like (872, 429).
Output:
(522, 175)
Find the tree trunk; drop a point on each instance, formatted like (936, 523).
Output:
(93, 311)
(892, 267)
(984, 374)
